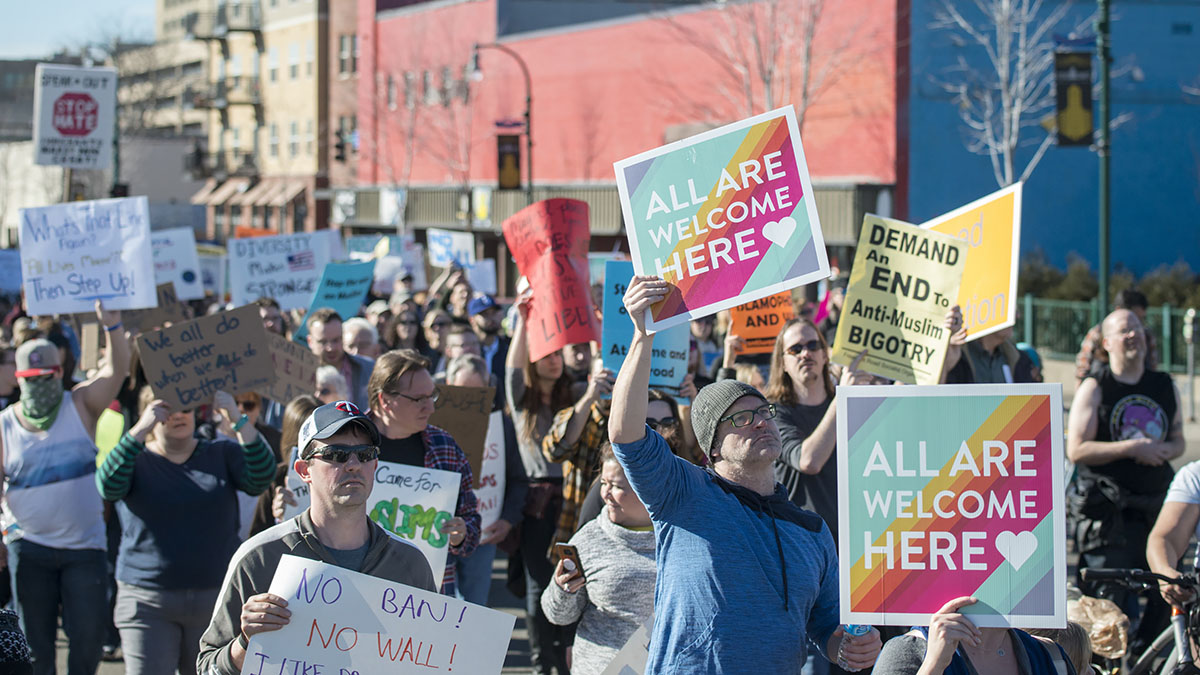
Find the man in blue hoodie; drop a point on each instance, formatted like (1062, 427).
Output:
(744, 575)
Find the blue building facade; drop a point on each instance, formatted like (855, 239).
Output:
(1155, 195)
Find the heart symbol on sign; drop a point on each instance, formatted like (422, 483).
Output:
(1016, 548)
(779, 231)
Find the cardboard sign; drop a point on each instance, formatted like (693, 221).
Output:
(482, 276)
(411, 502)
(295, 369)
(175, 260)
(169, 310)
(491, 476)
(669, 357)
(991, 228)
(285, 267)
(346, 623)
(549, 241)
(91, 339)
(596, 263)
(74, 110)
(214, 265)
(189, 362)
(952, 491)
(726, 216)
(759, 322)
(74, 254)
(343, 288)
(10, 271)
(447, 247)
(903, 281)
(463, 412)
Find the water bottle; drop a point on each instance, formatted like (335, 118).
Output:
(849, 632)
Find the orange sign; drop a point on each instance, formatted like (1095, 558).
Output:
(760, 321)
(243, 232)
(991, 227)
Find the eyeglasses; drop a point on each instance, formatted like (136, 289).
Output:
(339, 454)
(432, 398)
(664, 422)
(439, 324)
(744, 418)
(408, 322)
(811, 345)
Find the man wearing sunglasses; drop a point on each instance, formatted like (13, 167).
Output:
(744, 575)
(339, 448)
(53, 517)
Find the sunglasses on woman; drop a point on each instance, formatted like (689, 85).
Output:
(661, 423)
(340, 454)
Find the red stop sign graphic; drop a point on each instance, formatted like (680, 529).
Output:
(76, 114)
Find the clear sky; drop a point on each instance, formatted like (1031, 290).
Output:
(38, 28)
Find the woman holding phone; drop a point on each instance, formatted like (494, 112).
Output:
(610, 590)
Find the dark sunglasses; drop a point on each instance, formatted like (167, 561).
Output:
(247, 405)
(664, 422)
(339, 454)
(811, 345)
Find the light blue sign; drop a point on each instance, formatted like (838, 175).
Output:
(343, 288)
(447, 246)
(669, 360)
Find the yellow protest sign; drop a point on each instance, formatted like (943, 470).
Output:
(903, 281)
(991, 227)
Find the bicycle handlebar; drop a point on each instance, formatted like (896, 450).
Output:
(1092, 574)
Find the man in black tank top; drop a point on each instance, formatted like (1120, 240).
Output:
(1125, 427)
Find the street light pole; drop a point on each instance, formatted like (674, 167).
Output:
(528, 109)
(1104, 51)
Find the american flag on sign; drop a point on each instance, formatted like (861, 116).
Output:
(298, 262)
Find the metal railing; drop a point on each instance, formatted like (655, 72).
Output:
(236, 90)
(229, 18)
(1057, 327)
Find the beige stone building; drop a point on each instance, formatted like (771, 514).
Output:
(269, 133)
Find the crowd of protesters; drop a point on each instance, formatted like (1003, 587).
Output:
(714, 514)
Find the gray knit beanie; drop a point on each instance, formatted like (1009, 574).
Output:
(710, 406)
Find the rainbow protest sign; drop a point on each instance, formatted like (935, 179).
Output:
(952, 491)
(726, 217)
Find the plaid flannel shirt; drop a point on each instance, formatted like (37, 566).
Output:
(581, 462)
(441, 452)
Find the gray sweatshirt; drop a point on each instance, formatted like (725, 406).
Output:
(618, 597)
(253, 566)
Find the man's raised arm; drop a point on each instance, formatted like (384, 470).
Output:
(627, 418)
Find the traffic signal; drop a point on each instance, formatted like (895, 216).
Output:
(339, 148)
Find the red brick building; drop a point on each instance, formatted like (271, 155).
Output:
(606, 89)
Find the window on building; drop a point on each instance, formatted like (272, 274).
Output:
(309, 139)
(235, 70)
(294, 60)
(235, 140)
(428, 91)
(347, 54)
(410, 90)
(273, 64)
(273, 141)
(294, 139)
(391, 92)
(310, 58)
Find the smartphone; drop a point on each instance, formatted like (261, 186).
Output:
(568, 552)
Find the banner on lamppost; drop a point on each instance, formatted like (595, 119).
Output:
(1073, 92)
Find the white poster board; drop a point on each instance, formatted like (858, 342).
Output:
(73, 116)
(632, 658)
(347, 623)
(411, 502)
(76, 253)
(449, 246)
(286, 267)
(490, 493)
(175, 260)
(213, 267)
(482, 276)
